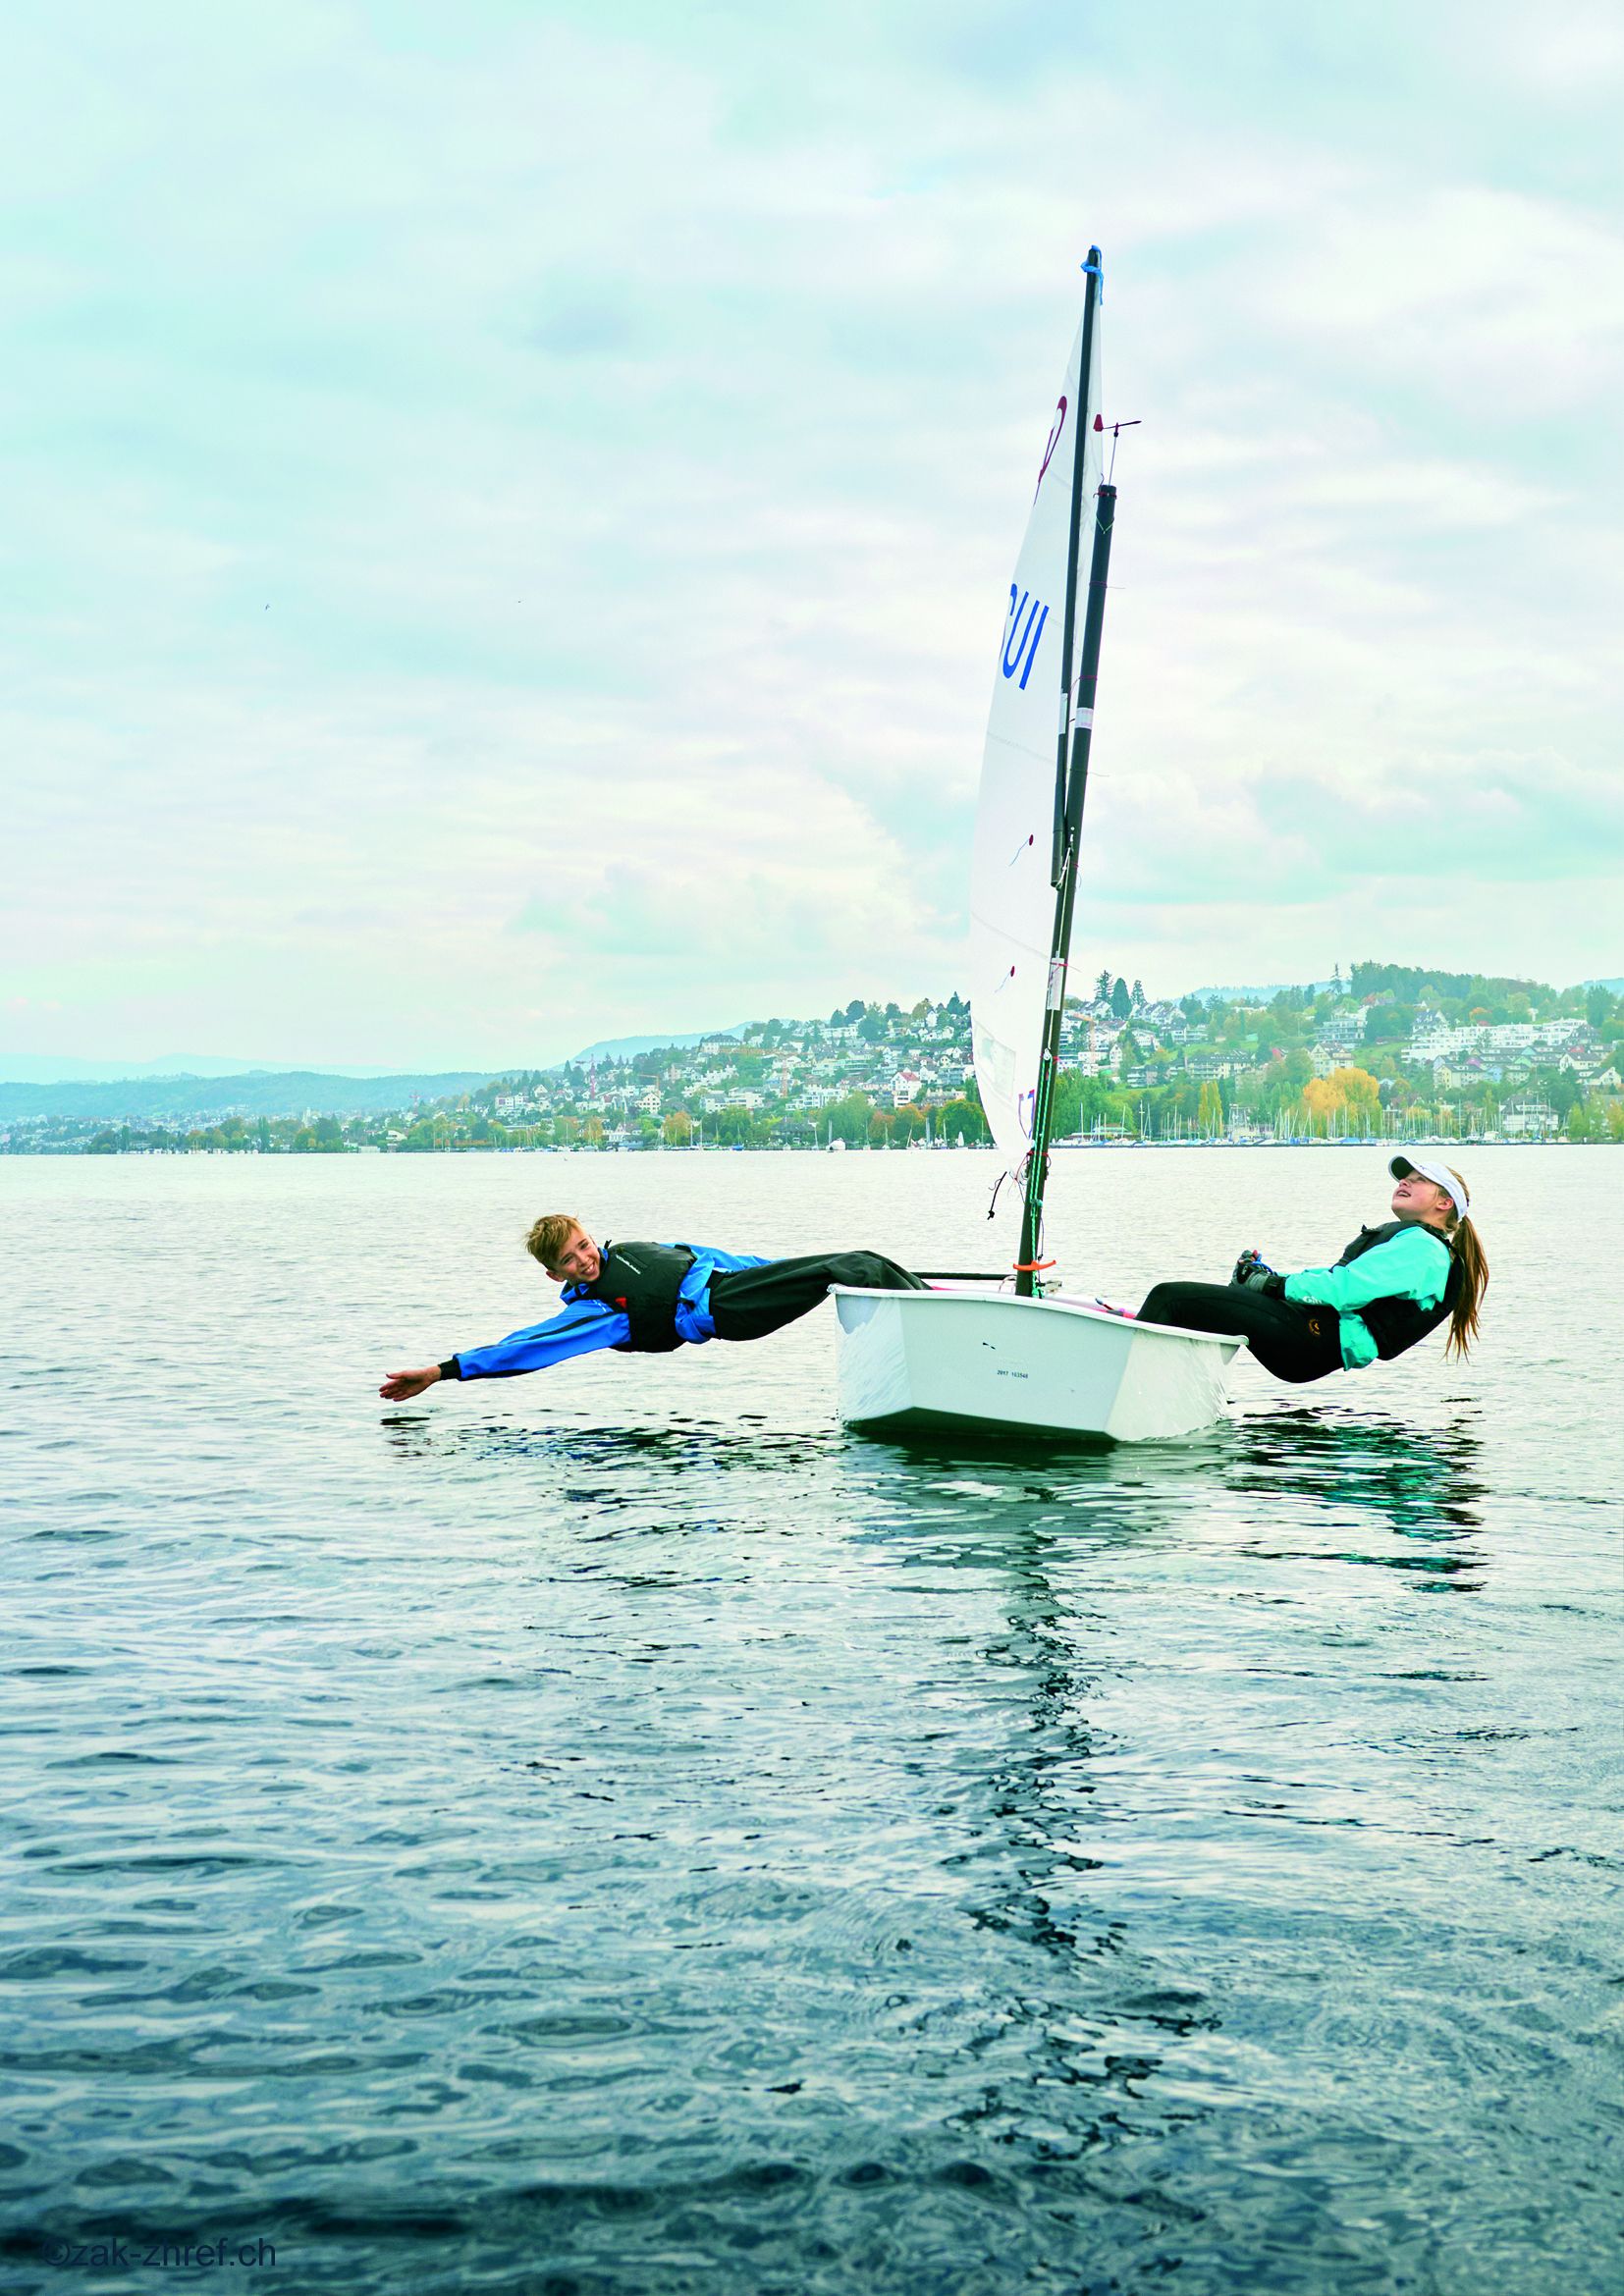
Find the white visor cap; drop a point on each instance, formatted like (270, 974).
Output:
(1440, 1175)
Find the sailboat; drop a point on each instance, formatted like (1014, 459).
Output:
(1015, 1353)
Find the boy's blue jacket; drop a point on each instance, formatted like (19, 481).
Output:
(585, 1325)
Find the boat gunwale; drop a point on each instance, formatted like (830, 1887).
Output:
(1001, 1299)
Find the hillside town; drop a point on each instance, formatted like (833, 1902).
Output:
(1384, 1052)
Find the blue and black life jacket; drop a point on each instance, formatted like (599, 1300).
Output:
(643, 1281)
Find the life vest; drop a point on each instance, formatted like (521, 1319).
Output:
(643, 1281)
(1398, 1323)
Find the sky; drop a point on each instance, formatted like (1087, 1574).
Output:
(509, 509)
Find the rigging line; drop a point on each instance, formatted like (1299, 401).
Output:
(1116, 429)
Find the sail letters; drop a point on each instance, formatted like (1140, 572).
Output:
(1020, 646)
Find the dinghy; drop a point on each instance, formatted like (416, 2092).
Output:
(1013, 1352)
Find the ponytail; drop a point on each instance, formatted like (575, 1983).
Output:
(1472, 1260)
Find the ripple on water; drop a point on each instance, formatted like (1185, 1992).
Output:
(630, 1833)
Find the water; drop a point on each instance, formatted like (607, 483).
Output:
(616, 1831)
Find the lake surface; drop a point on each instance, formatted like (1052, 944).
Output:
(619, 1831)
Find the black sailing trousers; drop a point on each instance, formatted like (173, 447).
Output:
(747, 1302)
(1290, 1339)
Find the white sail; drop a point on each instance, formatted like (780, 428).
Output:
(1011, 900)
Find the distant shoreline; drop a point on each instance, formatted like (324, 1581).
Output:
(471, 1152)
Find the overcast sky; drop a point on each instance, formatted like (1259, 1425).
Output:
(510, 507)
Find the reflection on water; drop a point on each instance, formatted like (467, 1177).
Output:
(624, 1454)
(1079, 2039)
(1420, 1488)
(1407, 1478)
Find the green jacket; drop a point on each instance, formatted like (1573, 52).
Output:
(1413, 1265)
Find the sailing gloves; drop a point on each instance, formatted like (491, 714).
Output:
(1253, 1275)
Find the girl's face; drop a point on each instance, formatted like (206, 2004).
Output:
(1415, 1199)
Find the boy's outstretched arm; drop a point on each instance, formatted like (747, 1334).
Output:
(584, 1327)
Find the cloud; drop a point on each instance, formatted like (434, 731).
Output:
(671, 887)
(1578, 57)
(1511, 308)
(512, 517)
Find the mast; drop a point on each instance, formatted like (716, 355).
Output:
(1070, 789)
(1095, 270)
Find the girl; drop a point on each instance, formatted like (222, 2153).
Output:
(1391, 1287)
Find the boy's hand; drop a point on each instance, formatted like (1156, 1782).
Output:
(402, 1386)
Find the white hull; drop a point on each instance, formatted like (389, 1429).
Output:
(990, 1358)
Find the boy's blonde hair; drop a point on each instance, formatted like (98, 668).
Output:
(551, 1235)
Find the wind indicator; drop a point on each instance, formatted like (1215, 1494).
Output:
(1115, 429)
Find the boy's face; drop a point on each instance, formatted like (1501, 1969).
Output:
(579, 1260)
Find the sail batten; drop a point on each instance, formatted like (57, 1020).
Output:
(1020, 811)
